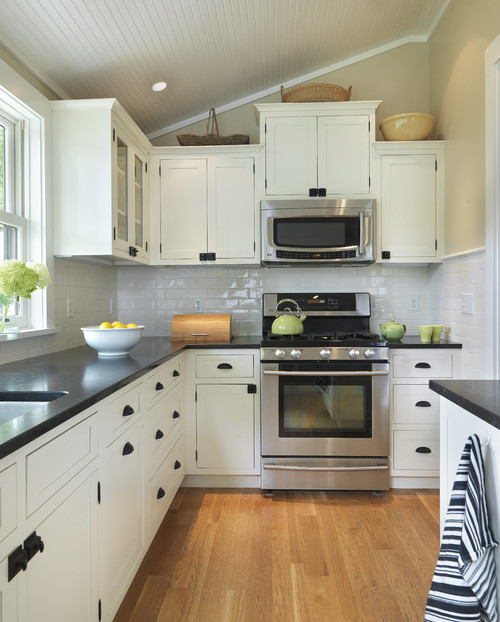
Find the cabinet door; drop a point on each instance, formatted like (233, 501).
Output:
(61, 582)
(344, 154)
(121, 537)
(9, 594)
(183, 209)
(409, 206)
(231, 208)
(225, 427)
(291, 155)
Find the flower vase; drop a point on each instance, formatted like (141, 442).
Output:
(8, 324)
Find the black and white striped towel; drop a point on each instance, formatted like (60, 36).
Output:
(464, 588)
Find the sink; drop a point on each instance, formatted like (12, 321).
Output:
(13, 404)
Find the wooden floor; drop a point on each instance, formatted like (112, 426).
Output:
(226, 555)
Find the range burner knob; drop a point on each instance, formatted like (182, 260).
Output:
(369, 353)
(325, 353)
(280, 353)
(353, 353)
(296, 354)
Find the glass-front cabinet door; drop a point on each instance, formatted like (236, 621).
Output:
(129, 226)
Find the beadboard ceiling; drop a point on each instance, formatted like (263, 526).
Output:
(211, 52)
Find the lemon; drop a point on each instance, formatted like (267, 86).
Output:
(118, 325)
(106, 325)
(131, 325)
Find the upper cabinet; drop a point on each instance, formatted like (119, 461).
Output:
(411, 215)
(101, 200)
(317, 149)
(204, 205)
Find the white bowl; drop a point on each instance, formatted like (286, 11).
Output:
(112, 341)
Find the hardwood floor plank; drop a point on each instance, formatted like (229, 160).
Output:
(240, 556)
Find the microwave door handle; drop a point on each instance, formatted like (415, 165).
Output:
(367, 230)
(362, 241)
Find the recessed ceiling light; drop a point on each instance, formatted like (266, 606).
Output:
(159, 86)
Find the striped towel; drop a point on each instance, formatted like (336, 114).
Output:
(464, 584)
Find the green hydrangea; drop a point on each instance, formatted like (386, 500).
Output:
(19, 279)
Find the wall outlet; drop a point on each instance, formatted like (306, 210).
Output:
(69, 307)
(413, 303)
(198, 305)
(467, 304)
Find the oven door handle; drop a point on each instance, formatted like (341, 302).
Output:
(282, 467)
(325, 373)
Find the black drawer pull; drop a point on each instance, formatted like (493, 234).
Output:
(176, 373)
(224, 366)
(127, 411)
(423, 366)
(33, 544)
(18, 560)
(423, 450)
(159, 386)
(176, 414)
(177, 465)
(159, 434)
(423, 404)
(128, 448)
(160, 494)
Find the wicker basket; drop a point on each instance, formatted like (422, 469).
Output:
(316, 92)
(212, 137)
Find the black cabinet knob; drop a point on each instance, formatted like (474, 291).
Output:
(33, 545)
(128, 448)
(160, 494)
(176, 414)
(159, 434)
(18, 560)
(159, 386)
(313, 192)
(176, 373)
(177, 465)
(128, 410)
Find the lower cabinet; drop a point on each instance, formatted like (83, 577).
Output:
(415, 414)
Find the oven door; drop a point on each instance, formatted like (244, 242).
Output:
(325, 409)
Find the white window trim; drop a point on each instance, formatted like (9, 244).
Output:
(22, 101)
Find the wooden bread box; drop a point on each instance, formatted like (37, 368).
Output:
(202, 328)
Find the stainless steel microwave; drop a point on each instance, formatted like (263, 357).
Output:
(318, 232)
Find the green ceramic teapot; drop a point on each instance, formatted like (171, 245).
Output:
(287, 322)
(392, 331)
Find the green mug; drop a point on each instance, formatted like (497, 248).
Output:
(437, 331)
(425, 333)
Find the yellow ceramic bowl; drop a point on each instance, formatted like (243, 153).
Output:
(409, 126)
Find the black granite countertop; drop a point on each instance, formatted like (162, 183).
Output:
(479, 397)
(413, 341)
(86, 378)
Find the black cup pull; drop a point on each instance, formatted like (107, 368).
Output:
(159, 386)
(423, 450)
(224, 366)
(176, 373)
(128, 448)
(423, 404)
(128, 410)
(176, 414)
(423, 366)
(159, 434)
(160, 494)
(177, 465)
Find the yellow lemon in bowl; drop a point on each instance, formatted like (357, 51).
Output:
(117, 324)
(132, 325)
(106, 325)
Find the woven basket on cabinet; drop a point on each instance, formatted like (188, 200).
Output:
(316, 92)
(212, 137)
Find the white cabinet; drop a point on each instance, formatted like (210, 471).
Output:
(101, 200)
(411, 214)
(204, 206)
(415, 414)
(317, 149)
(222, 427)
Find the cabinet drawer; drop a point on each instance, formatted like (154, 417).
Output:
(8, 501)
(415, 403)
(164, 484)
(230, 366)
(119, 412)
(161, 423)
(159, 383)
(416, 450)
(52, 466)
(422, 365)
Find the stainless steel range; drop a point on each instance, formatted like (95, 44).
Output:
(325, 397)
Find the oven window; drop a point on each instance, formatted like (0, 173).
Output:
(324, 232)
(325, 406)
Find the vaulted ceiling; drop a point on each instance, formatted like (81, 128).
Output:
(212, 53)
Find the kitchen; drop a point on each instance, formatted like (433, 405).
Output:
(446, 77)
